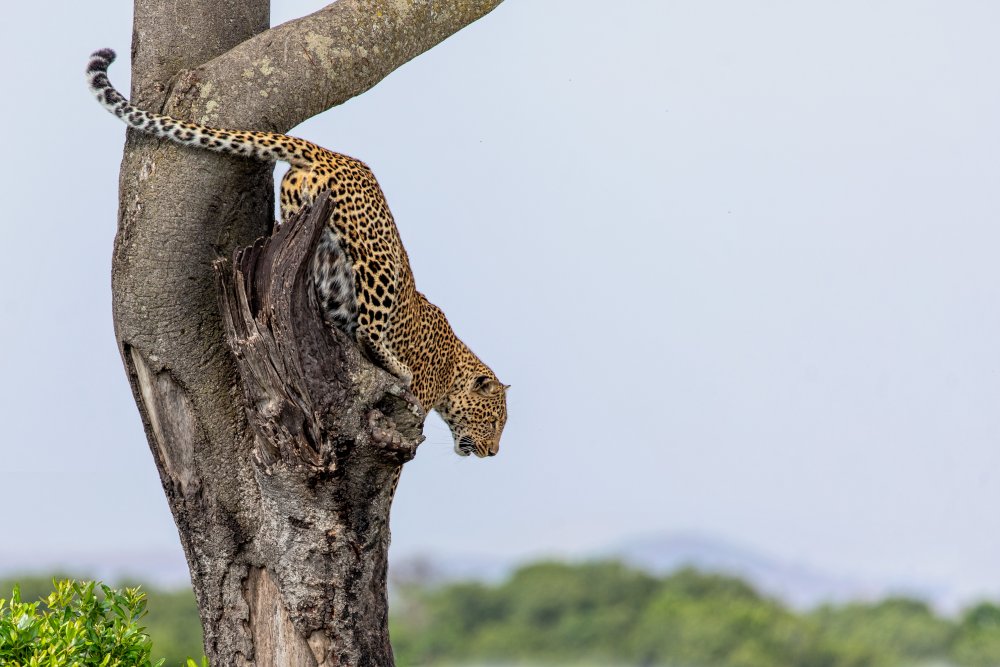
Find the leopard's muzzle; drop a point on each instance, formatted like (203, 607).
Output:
(466, 446)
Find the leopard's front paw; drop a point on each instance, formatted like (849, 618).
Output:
(385, 435)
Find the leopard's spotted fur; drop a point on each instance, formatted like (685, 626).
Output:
(361, 271)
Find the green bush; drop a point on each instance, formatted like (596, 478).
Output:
(172, 622)
(78, 624)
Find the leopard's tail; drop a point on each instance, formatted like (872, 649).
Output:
(268, 146)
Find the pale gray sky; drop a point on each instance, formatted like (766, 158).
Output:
(738, 260)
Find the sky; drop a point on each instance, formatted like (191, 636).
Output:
(738, 261)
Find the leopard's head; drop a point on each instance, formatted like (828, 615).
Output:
(476, 411)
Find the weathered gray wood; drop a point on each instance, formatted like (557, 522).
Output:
(331, 433)
(266, 588)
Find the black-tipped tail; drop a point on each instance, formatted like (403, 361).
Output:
(100, 60)
(100, 86)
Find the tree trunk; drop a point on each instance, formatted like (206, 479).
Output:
(277, 461)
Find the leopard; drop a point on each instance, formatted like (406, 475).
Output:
(360, 271)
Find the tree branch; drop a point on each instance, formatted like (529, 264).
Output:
(296, 70)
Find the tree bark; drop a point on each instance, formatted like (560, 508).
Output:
(276, 461)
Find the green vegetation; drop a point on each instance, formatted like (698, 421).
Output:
(607, 614)
(79, 625)
(171, 622)
(562, 614)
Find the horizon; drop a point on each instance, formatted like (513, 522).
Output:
(679, 550)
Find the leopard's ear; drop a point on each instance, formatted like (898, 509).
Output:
(487, 386)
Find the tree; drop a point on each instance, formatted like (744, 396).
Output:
(899, 630)
(285, 530)
(977, 643)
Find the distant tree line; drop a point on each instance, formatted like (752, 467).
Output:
(608, 614)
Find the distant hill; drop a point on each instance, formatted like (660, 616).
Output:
(161, 568)
(797, 585)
